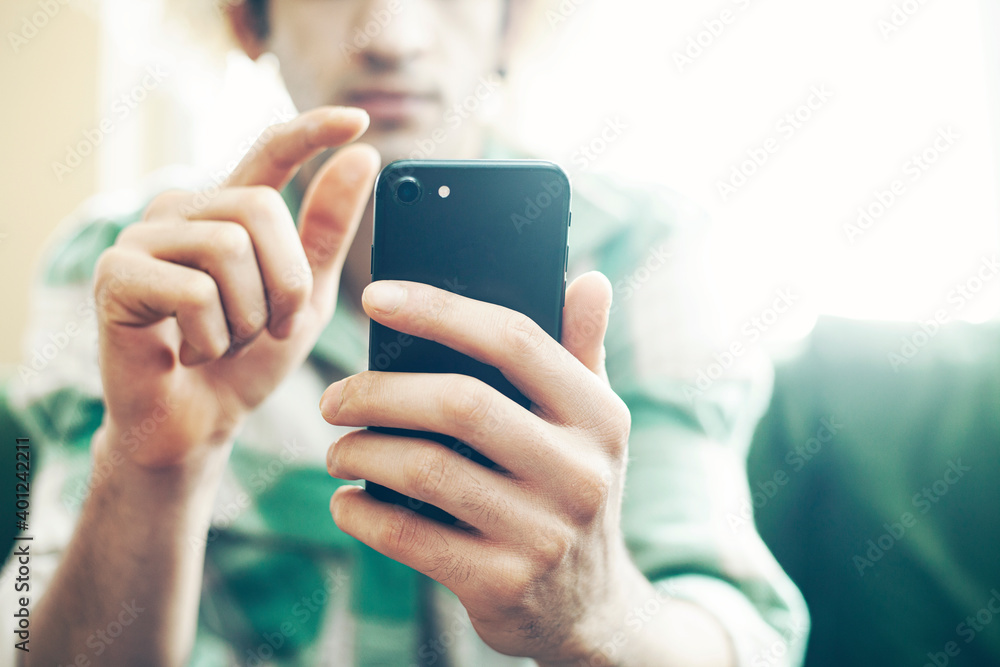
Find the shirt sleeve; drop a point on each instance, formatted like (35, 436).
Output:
(687, 513)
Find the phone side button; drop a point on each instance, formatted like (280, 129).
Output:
(566, 261)
(569, 223)
(371, 261)
(563, 294)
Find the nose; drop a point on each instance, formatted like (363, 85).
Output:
(399, 32)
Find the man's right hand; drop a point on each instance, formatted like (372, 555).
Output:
(209, 302)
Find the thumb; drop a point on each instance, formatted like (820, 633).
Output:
(331, 210)
(585, 320)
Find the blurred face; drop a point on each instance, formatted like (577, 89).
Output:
(421, 68)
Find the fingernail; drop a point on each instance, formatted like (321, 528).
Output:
(329, 404)
(384, 296)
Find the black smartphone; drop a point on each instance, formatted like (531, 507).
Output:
(491, 230)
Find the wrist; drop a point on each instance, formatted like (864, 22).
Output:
(163, 439)
(194, 475)
(604, 628)
(647, 624)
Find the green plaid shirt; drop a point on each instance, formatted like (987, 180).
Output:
(284, 586)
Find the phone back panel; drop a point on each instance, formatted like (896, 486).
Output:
(498, 236)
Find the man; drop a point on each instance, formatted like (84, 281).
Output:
(218, 322)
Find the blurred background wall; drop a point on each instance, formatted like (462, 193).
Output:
(50, 88)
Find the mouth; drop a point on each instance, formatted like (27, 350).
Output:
(392, 105)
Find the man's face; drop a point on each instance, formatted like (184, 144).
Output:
(417, 66)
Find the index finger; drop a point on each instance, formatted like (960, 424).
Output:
(281, 148)
(534, 362)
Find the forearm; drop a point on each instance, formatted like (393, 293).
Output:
(135, 560)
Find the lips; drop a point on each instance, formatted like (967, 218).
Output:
(391, 104)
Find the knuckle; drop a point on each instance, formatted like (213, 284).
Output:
(201, 293)
(513, 589)
(552, 548)
(591, 495)
(451, 567)
(128, 236)
(468, 402)
(487, 507)
(294, 286)
(521, 335)
(623, 414)
(399, 532)
(164, 204)
(105, 276)
(297, 277)
(244, 327)
(429, 472)
(232, 242)
(264, 200)
(610, 423)
(103, 269)
(619, 426)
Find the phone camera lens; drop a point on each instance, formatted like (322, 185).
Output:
(408, 191)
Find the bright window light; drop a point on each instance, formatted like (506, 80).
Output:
(845, 151)
(791, 123)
